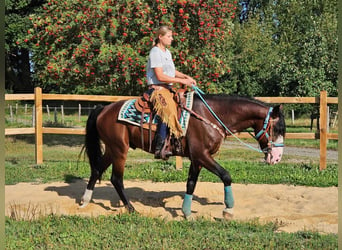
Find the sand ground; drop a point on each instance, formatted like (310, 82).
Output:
(294, 208)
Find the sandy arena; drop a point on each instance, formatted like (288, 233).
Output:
(294, 208)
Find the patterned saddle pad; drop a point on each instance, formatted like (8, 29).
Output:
(130, 114)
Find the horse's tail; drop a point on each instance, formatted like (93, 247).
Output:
(92, 139)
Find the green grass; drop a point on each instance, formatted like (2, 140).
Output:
(158, 171)
(138, 232)
(62, 163)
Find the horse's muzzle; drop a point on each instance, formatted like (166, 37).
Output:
(274, 155)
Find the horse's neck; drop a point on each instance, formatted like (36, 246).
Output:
(238, 116)
(248, 117)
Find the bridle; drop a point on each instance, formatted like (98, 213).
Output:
(267, 131)
(268, 123)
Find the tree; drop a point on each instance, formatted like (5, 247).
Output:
(17, 57)
(307, 47)
(287, 48)
(101, 48)
(284, 48)
(253, 58)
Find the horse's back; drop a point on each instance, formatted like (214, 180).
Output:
(110, 111)
(107, 122)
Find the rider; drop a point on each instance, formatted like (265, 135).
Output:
(161, 74)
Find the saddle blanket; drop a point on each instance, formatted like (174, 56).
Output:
(130, 114)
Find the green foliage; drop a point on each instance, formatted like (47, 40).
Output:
(253, 57)
(311, 64)
(285, 49)
(18, 75)
(16, 22)
(132, 231)
(96, 48)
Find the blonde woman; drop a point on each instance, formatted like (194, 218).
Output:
(161, 75)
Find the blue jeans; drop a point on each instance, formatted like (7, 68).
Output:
(162, 129)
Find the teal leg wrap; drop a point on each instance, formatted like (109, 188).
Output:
(186, 208)
(228, 197)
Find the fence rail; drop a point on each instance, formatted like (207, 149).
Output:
(39, 130)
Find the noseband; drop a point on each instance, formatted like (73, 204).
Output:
(267, 131)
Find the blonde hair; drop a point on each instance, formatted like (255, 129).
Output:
(162, 30)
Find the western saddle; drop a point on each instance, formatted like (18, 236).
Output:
(144, 105)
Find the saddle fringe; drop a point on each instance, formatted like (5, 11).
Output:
(166, 108)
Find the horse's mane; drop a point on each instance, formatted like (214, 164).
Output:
(279, 127)
(234, 98)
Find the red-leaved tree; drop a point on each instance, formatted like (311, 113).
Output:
(101, 47)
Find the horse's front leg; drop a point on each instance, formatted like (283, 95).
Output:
(224, 175)
(209, 163)
(194, 171)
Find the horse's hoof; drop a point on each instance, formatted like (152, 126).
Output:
(189, 217)
(83, 203)
(228, 213)
(86, 198)
(131, 210)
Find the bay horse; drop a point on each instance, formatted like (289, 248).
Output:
(203, 138)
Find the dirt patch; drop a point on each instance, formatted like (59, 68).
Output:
(293, 207)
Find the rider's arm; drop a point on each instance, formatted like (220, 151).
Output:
(179, 77)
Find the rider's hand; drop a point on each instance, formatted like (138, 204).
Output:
(191, 81)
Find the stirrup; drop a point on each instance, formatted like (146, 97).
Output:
(177, 145)
(162, 154)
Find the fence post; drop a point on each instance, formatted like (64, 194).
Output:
(323, 136)
(11, 113)
(62, 113)
(79, 112)
(179, 162)
(48, 111)
(38, 124)
(55, 115)
(33, 116)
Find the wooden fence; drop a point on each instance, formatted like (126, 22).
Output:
(38, 129)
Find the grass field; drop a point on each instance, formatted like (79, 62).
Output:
(62, 163)
(138, 232)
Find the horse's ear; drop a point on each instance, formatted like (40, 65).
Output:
(276, 110)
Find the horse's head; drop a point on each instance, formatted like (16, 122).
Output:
(271, 136)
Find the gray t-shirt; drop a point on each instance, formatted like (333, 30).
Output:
(159, 59)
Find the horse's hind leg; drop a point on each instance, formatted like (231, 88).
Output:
(117, 181)
(96, 174)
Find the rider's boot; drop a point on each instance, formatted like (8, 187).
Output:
(160, 138)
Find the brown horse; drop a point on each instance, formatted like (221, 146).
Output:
(206, 131)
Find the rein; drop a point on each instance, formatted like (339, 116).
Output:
(263, 132)
(205, 120)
